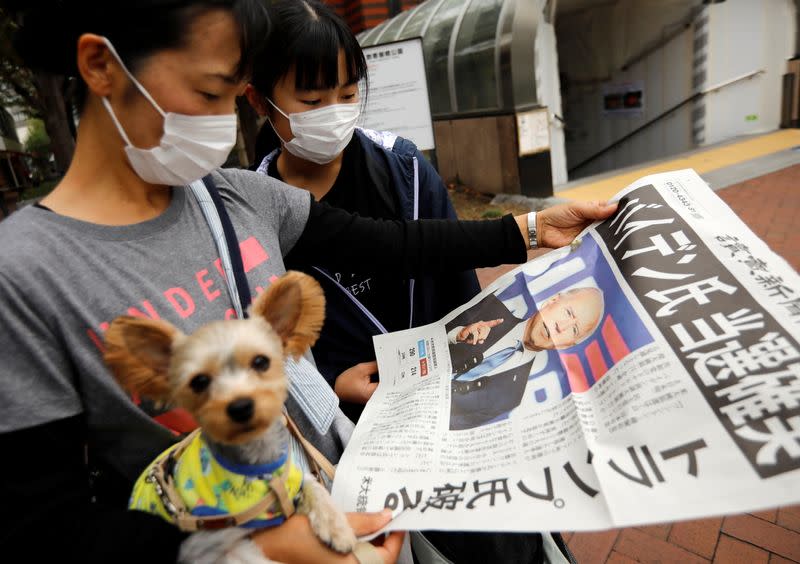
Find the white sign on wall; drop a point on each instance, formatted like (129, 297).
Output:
(398, 92)
(533, 131)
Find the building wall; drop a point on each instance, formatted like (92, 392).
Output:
(710, 45)
(746, 36)
(591, 57)
(366, 14)
(548, 92)
(488, 165)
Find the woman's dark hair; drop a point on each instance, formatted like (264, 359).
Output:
(48, 37)
(306, 35)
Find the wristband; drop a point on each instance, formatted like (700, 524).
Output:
(532, 230)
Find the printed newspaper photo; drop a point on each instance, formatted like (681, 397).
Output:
(649, 372)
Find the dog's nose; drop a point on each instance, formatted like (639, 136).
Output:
(240, 410)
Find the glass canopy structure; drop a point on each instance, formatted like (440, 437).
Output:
(493, 84)
(469, 46)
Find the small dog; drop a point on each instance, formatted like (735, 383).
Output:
(229, 375)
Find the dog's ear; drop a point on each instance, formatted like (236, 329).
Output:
(138, 352)
(295, 307)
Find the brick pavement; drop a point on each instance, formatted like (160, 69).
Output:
(770, 206)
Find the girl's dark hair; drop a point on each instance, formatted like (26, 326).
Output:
(306, 35)
(50, 29)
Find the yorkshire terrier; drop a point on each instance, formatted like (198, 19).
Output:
(235, 474)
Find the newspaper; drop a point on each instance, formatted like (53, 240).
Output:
(649, 372)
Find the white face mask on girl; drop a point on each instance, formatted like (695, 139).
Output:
(320, 135)
(190, 148)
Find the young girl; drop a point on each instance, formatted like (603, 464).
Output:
(121, 234)
(307, 85)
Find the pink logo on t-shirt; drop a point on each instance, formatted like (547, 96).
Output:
(185, 302)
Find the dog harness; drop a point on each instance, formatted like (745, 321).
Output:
(193, 489)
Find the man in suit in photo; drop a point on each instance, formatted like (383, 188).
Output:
(492, 351)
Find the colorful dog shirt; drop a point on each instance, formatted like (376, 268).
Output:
(209, 486)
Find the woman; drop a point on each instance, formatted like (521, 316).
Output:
(159, 83)
(309, 74)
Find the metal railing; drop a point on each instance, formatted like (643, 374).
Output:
(662, 115)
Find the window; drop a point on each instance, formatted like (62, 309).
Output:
(392, 27)
(436, 46)
(474, 57)
(419, 17)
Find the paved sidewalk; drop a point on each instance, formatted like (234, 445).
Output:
(770, 206)
(721, 165)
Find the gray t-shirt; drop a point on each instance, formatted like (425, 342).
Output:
(63, 280)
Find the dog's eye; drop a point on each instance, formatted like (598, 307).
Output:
(260, 363)
(199, 383)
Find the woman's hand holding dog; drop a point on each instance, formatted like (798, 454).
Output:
(294, 542)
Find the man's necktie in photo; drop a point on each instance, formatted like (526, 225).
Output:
(489, 363)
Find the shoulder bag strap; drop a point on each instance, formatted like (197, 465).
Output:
(316, 458)
(227, 244)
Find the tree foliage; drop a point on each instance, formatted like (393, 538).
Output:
(38, 93)
(38, 140)
(17, 85)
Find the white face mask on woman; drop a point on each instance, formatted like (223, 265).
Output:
(190, 148)
(320, 134)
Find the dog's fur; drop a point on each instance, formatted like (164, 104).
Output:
(155, 360)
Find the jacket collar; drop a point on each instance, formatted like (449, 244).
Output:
(378, 175)
(377, 172)
(395, 159)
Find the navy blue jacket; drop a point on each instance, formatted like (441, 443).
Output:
(346, 338)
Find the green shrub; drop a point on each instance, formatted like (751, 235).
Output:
(492, 213)
(38, 141)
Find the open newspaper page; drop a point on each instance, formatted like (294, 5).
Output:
(649, 372)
